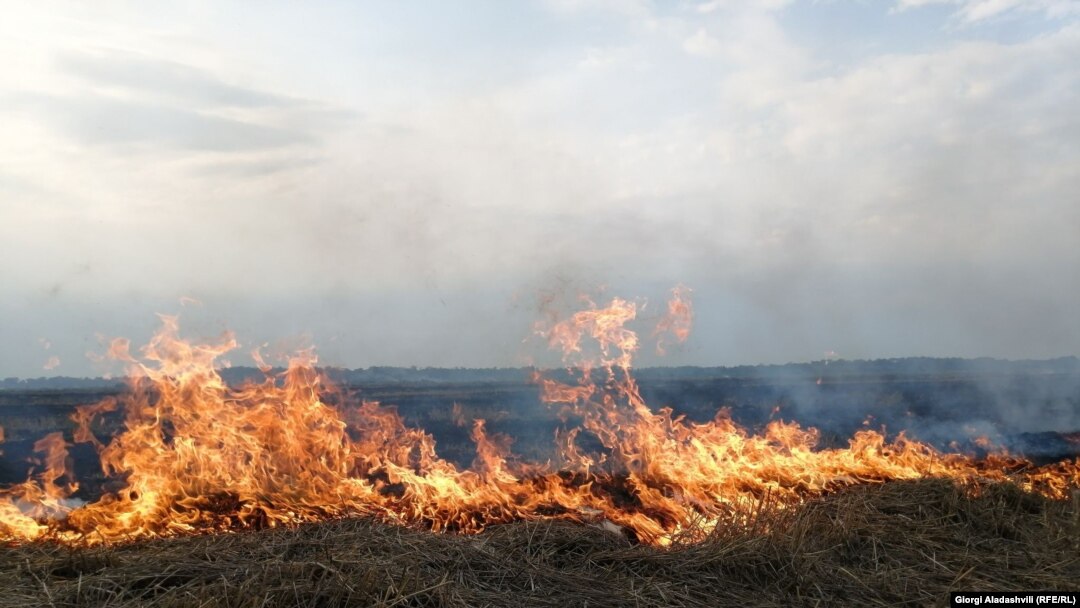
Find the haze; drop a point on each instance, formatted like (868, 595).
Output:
(400, 184)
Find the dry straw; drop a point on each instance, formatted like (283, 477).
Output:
(895, 544)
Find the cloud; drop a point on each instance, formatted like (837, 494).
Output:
(169, 80)
(261, 166)
(749, 43)
(972, 11)
(1000, 103)
(100, 120)
(715, 5)
(635, 8)
(126, 99)
(900, 202)
(701, 43)
(603, 58)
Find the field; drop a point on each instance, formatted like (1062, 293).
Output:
(1029, 409)
(902, 543)
(896, 543)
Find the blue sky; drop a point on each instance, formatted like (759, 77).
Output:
(399, 182)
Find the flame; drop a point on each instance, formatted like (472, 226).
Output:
(678, 319)
(197, 456)
(457, 415)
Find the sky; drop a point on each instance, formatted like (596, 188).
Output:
(407, 183)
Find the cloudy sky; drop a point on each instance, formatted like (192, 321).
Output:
(401, 183)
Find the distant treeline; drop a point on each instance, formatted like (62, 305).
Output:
(831, 369)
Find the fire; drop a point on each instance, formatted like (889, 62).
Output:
(678, 319)
(197, 456)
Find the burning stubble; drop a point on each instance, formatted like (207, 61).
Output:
(198, 456)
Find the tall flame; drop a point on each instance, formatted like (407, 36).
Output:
(196, 455)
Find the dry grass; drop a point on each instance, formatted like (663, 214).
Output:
(902, 543)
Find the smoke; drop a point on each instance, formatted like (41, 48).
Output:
(952, 404)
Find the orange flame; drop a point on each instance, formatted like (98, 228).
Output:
(196, 455)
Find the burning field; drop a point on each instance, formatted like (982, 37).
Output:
(338, 498)
(902, 543)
